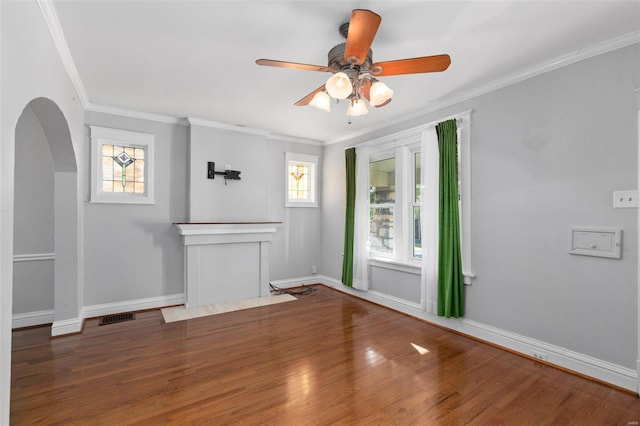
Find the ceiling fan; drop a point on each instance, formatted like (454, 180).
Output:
(354, 72)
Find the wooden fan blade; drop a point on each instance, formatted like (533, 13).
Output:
(435, 63)
(292, 65)
(362, 30)
(305, 101)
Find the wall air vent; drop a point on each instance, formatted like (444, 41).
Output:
(112, 319)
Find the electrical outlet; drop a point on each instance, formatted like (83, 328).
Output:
(314, 269)
(539, 355)
(625, 199)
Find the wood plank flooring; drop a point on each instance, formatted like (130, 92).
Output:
(326, 358)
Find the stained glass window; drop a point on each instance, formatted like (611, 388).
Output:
(122, 169)
(122, 165)
(301, 180)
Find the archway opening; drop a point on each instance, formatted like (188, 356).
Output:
(45, 220)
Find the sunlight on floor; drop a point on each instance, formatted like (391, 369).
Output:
(420, 349)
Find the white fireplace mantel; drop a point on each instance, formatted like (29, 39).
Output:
(226, 261)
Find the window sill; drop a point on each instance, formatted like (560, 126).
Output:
(410, 268)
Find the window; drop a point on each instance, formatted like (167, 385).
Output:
(301, 180)
(396, 192)
(394, 205)
(415, 207)
(382, 197)
(122, 166)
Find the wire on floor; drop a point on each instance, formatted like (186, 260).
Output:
(302, 292)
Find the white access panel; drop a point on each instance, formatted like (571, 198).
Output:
(599, 242)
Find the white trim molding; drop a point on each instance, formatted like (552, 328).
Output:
(123, 112)
(68, 326)
(53, 23)
(311, 161)
(30, 319)
(108, 136)
(33, 257)
(133, 305)
(586, 365)
(568, 59)
(638, 260)
(74, 325)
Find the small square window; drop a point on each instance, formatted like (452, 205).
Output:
(301, 180)
(122, 166)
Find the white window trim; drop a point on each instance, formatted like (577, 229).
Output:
(303, 158)
(411, 138)
(108, 136)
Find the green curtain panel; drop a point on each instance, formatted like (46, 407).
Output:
(450, 278)
(347, 261)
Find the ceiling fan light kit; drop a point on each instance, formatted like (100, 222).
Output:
(379, 93)
(356, 108)
(354, 73)
(321, 100)
(339, 85)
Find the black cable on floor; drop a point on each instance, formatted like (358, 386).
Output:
(303, 292)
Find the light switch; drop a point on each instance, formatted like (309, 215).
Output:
(625, 199)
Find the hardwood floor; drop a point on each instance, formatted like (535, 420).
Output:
(326, 358)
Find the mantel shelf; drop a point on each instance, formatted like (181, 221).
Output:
(226, 228)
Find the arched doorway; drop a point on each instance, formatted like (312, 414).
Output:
(42, 118)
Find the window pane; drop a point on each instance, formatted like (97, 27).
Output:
(121, 170)
(299, 181)
(382, 181)
(417, 233)
(381, 229)
(139, 153)
(139, 170)
(417, 173)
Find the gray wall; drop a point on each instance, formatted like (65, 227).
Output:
(33, 232)
(400, 284)
(258, 196)
(296, 246)
(546, 153)
(134, 251)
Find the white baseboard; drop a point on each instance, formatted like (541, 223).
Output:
(92, 311)
(74, 325)
(29, 319)
(605, 371)
(68, 326)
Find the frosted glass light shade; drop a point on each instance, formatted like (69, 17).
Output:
(357, 107)
(339, 85)
(322, 101)
(379, 93)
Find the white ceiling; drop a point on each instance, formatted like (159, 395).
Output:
(197, 58)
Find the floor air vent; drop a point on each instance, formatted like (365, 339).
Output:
(112, 319)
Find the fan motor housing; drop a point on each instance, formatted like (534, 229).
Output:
(337, 61)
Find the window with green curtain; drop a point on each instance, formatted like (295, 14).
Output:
(450, 278)
(347, 261)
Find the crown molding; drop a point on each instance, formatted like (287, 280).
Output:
(286, 138)
(250, 130)
(225, 126)
(123, 112)
(51, 18)
(562, 61)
